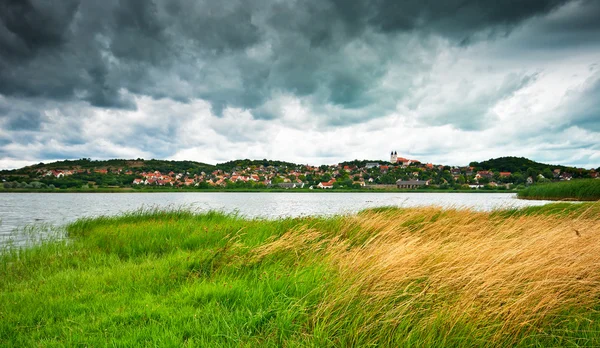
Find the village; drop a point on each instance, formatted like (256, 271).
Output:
(397, 173)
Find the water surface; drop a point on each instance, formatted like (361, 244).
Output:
(18, 210)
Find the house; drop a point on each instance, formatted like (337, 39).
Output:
(138, 181)
(556, 173)
(505, 174)
(484, 174)
(529, 180)
(411, 184)
(566, 176)
(220, 182)
(371, 165)
(325, 185)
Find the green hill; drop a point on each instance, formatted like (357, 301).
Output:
(515, 164)
(116, 164)
(247, 163)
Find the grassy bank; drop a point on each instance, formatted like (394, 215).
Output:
(384, 277)
(581, 190)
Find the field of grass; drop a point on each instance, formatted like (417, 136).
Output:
(386, 277)
(581, 190)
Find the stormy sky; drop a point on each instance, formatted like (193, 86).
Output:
(308, 81)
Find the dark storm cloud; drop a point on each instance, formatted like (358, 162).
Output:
(94, 51)
(458, 19)
(30, 26)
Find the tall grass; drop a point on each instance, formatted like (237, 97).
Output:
(581, 190)
(384, 277)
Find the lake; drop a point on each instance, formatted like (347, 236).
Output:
(18, 210)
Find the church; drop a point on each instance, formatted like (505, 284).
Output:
(404, 161)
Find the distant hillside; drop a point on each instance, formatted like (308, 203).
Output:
(363, 163)
(515, 164)
(115, 164)
(246, 163)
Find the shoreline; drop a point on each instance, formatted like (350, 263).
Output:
(569, 199)
(249, 191)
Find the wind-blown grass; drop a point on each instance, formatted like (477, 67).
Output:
(581, 190)
(388, 277)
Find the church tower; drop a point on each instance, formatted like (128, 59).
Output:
(394, 157)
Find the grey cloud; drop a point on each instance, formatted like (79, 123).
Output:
(72, 133)
(27, 120)
(92, 51)
(573, 29)
(28, 26)
(468, 107)
(582, 107)
(459, 19)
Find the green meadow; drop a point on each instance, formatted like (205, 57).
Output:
(382, 277)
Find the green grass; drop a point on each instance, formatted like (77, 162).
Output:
(175, 278)
(581, 190)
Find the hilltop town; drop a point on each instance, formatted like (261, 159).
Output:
(504, 173)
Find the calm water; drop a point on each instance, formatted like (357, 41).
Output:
(18, 210)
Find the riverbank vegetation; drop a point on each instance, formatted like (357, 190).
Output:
(386, 276)
(581, 190)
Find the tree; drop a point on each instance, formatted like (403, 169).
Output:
(518, 178)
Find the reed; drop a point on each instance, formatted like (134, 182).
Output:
(580, 190)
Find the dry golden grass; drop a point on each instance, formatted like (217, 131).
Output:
(428, 265)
